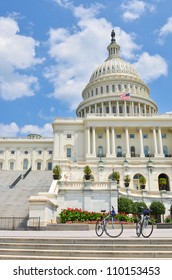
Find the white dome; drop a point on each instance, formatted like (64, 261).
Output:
(110, 82)
(114, 66)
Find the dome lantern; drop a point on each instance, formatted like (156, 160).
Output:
(113, 48)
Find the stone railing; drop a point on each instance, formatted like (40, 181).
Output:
(81, 185)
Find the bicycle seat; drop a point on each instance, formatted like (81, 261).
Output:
(103, 211)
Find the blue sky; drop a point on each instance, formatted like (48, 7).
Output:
(49, 49)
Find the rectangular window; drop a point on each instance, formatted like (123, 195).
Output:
(13, 152)
(68, 152)
(100, 135)
(69, 136)
(145, 136)
(40, 152)
(50, 152)
(49, 165)
(107, 110)
(132, 136)
(118, 136)
(1, 152)
(114, 109)
(164, 135)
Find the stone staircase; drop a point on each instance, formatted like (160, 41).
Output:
(14, 201)
(83, 248)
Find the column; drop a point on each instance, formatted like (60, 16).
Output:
(155, 142)
(88, 141)
(160, 142)
(56, 146)
(132, 108)
(139, 109)
(113, 142)
(127, 143)
(102, 108)
(95, 108)
(107, 142)
(150, 113)
(110, 108)
(19, 160)
(117, 108)
(145, 109)
(94, 141)
(141, 143)
(125, 108)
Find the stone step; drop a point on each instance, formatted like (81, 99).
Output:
(84, 248)
(87, 253)
(96, 240)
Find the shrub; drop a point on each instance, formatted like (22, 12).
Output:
(157, 207)
(168, 220)
(125, 205)
(137, 205)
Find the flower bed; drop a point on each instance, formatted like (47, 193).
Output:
(75, 215)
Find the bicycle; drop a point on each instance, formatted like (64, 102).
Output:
(144, 226)
(108, 224)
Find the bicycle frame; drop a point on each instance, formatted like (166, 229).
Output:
(110, 225)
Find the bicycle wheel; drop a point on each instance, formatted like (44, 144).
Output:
(138, 229)
(113, 228)
(147, 227)
(99, 227)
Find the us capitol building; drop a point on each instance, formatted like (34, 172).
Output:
(117, 128)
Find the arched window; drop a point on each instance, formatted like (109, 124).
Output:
(163, 182)
(107, 89)
(100, 151)
(146, 151)
(113, 88)
(119, 151)
(136, 181)
(25, 164)
(165, 151)
(132, 151)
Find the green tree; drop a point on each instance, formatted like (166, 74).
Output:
(137, 205)
(157, 208)
(125, 205)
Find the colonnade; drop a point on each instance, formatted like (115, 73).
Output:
(117, 108)
(111, 144)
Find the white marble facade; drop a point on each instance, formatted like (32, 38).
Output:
(109, 133)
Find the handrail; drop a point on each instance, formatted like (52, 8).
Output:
(16, 181)
(21, 176)
(26, 173)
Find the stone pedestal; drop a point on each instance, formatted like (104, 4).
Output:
(43, 206)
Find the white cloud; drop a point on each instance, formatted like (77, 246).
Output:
(134, 9)
(151, 67)
(13, 130)
(17, 53)
(9, 130)
(165, 30)
(46, 130)
(78, 53)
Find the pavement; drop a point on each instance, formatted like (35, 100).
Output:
(127, 234)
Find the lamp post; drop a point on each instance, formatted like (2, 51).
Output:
(100, 155)
(125, 162)
(149, 167)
